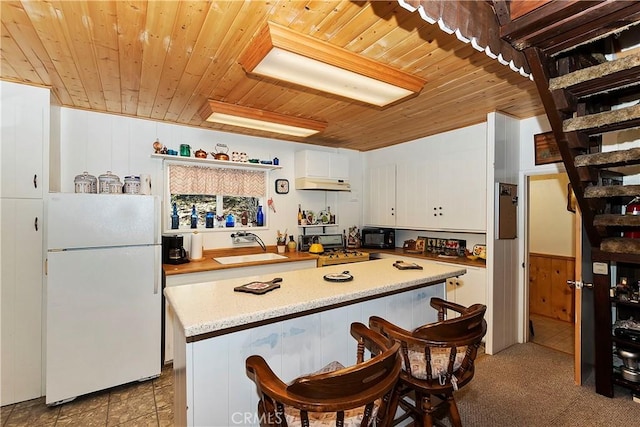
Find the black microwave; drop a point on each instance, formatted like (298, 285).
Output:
(382, 238)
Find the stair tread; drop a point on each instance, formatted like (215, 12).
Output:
(600, 78)
(620, 245)
(558, 26)
(607, 121)
(599, 191)
(610, 158)
(617, 220)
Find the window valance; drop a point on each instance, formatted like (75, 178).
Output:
(214, 181)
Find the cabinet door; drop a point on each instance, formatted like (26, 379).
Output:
(468, 289)
(379, 206)
(462, 188)
(411, 195)
(321, 164)
(25, 116)
(21, 289)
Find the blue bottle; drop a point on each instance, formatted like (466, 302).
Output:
(175, 220)
(260, 217)
(194, 217)
(208, 220)
(231, 221)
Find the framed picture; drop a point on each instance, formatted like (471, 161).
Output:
(571, 199)
(421, 244)
(546, 149)
(431, 245)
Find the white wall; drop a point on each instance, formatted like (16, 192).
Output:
(551, 225)
(97, 143)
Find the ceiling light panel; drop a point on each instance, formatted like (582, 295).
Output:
(283, 54)
(253, 118)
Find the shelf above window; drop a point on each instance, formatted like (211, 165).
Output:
(217, 163)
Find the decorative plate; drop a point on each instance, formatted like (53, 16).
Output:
(338, 277)
(311, 218)
(324, 217)
(480, 251)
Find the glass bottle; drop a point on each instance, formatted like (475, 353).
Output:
(208, 220)
(260, 217)
(299, 215)
(292, 245)
(231, 221)
(244, 218)
(175, 219)
(194, 217)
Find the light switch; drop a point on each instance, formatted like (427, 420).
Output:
(600, 268)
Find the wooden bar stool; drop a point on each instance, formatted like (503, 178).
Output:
(352, 396)
(437, 360)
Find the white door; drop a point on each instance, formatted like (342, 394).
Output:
(99, 220)
(411, 197)
(21, 296)
(25, 127)
(103, 319)
(462, 190)
(380, 209)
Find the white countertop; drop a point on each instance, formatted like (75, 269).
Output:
(213, 307)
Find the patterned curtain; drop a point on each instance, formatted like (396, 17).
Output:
(216, 181)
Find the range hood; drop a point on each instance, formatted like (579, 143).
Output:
(330, 184)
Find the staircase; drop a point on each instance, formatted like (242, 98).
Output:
(586, 98)
(591, 94)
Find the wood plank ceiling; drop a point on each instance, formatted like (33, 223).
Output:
(162, 60)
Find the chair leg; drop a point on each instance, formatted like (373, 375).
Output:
(427, 410)
(454, 414)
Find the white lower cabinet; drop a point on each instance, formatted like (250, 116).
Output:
(210, 276)
(21, 269)
(468, 289)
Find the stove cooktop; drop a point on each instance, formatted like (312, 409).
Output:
(341, 256)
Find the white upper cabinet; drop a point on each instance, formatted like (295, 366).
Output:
(25, 133)
(438, 184)
(380, 196)
(321, 164)
(457, 189)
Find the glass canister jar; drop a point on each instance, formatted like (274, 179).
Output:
(85, 183)
(132, 185)
(107, 182)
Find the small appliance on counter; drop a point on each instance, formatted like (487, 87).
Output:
(378, 238)
(173, 251)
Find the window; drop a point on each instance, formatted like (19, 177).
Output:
(220, 191)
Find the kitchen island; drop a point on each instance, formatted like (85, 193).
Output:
(297, 328)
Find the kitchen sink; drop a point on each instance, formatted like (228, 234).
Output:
(239, 259)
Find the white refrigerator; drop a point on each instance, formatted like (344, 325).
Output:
(103, 292)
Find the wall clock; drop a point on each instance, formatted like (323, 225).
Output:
(282, 186)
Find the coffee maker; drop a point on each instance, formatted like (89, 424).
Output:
(173, 251)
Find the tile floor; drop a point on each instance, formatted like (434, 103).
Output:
(552, 333)
(148, 403)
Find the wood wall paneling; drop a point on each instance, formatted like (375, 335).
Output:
(549, 294)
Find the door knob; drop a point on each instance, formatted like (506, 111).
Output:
(578, 284)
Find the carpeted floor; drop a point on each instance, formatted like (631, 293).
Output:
(531, 385)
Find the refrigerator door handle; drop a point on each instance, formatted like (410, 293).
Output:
(156, 268)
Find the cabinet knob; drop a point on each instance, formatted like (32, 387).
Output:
(35, 181)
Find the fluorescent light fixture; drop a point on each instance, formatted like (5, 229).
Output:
(283, 54)
(253, 118)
